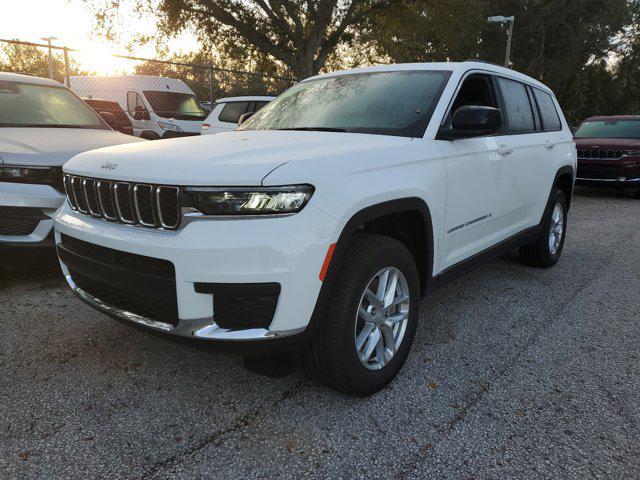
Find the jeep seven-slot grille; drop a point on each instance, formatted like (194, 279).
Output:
(599, 154)
(153, 206)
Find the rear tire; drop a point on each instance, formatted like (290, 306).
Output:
(361, 313)
(546, 250)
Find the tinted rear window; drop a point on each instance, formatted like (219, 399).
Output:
(548, 112)
(232, 111)
(517, 106)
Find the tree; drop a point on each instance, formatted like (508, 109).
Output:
(222, 81)
(30, 60)
(565, 44)
(301, 34)
(34, 60)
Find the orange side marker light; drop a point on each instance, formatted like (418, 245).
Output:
(327, 261)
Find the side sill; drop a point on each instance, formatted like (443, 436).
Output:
(459, 269)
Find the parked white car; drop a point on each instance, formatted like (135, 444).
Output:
(320, 224)
(227, 111)
(42, 125)
(158, 107)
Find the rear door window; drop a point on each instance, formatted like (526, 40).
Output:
(548, 112)
(232, 111)
(517, 106)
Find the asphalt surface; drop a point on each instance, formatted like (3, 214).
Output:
(514, 373)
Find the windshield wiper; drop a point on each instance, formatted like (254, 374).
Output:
(315, 129)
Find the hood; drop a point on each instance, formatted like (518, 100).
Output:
(608, 143)
(232, 158)
(53, 146)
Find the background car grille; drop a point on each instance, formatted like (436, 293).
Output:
(19, 220)
(17, 225)
(153, 206)
(599, 154)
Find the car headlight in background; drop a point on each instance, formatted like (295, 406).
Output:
(250, 201)
(169, 126)
(15, 173)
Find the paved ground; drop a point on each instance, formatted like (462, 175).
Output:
(515, 373)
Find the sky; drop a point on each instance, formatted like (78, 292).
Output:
(71, 21)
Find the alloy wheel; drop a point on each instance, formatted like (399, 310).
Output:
(381, 321)
(556, 228)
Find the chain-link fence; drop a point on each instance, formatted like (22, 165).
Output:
(140, 95)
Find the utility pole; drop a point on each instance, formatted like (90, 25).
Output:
(49, 40)
(510, 20)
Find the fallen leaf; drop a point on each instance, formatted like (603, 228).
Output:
(291, 445)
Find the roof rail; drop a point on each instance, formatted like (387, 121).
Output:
(482, 61)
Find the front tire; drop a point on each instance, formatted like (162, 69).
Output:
(365, 338)
(546, 250)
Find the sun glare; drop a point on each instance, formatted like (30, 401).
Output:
(99, 59)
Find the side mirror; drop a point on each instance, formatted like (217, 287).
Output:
(473, 121)
(141, 113)
(244, 117)
(110, 118)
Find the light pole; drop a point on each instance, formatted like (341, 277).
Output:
(510, 20)
(49, 40)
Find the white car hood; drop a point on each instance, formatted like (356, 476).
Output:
(233, 158)
(53, 146)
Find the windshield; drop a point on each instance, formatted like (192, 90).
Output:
(32, 105)
(383, 103)
(182, 106)
(609, 129)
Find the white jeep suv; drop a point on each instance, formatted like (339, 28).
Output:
(320, 224)
(42, 125)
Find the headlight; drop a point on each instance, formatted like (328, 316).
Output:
(169, 126)
(14, 173)
(632, 153)
(250, 201)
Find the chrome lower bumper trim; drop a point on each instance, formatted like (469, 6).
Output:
(202, 328)
(609, 180)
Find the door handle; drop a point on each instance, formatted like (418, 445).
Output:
(549, 144)
(505, 150)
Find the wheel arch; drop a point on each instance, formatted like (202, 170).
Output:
(564, 180)
(369, 219)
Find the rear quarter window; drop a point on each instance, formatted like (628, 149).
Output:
(232, 111)
(517, 106)
(548, 112)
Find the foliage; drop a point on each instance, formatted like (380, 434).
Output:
(567, 45)
(33, 61)
(300, 34)
(587, 51)
(208, 84)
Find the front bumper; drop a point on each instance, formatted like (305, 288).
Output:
(26, 212)
(288, 251)
(621, 182)
(620, 173)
